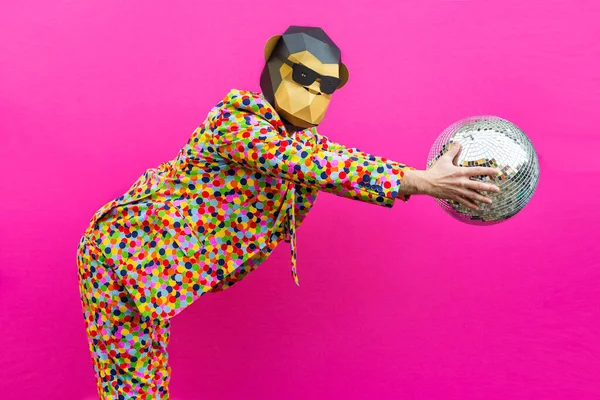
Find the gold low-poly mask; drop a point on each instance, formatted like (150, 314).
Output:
(303, 70)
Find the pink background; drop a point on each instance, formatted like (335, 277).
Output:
(403, 303)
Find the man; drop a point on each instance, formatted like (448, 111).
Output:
(243, 183)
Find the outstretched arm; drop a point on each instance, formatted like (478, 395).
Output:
(444, 180)
(404, 192)
(250, 139)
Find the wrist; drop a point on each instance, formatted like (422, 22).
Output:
(416, 182)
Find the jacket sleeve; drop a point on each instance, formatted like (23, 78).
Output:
(337, 147)
(253, 140)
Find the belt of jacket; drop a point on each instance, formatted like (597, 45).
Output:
(290, 226)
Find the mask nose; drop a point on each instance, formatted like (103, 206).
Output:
(314, 88)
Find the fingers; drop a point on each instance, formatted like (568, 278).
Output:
(475, 171)
(453, 152)
(481, 186)
(467, 203)
(473, 195)
(456, 147)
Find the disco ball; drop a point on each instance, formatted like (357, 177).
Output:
(488, 141)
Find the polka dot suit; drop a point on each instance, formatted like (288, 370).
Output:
(202, 222)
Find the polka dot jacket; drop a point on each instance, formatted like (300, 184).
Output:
(206, 219)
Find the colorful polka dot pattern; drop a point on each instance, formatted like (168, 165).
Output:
(206, 219)
(129, 351)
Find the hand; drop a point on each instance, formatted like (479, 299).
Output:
(445, 180)
(450, 182)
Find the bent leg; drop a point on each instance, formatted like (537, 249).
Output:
(129, 350)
